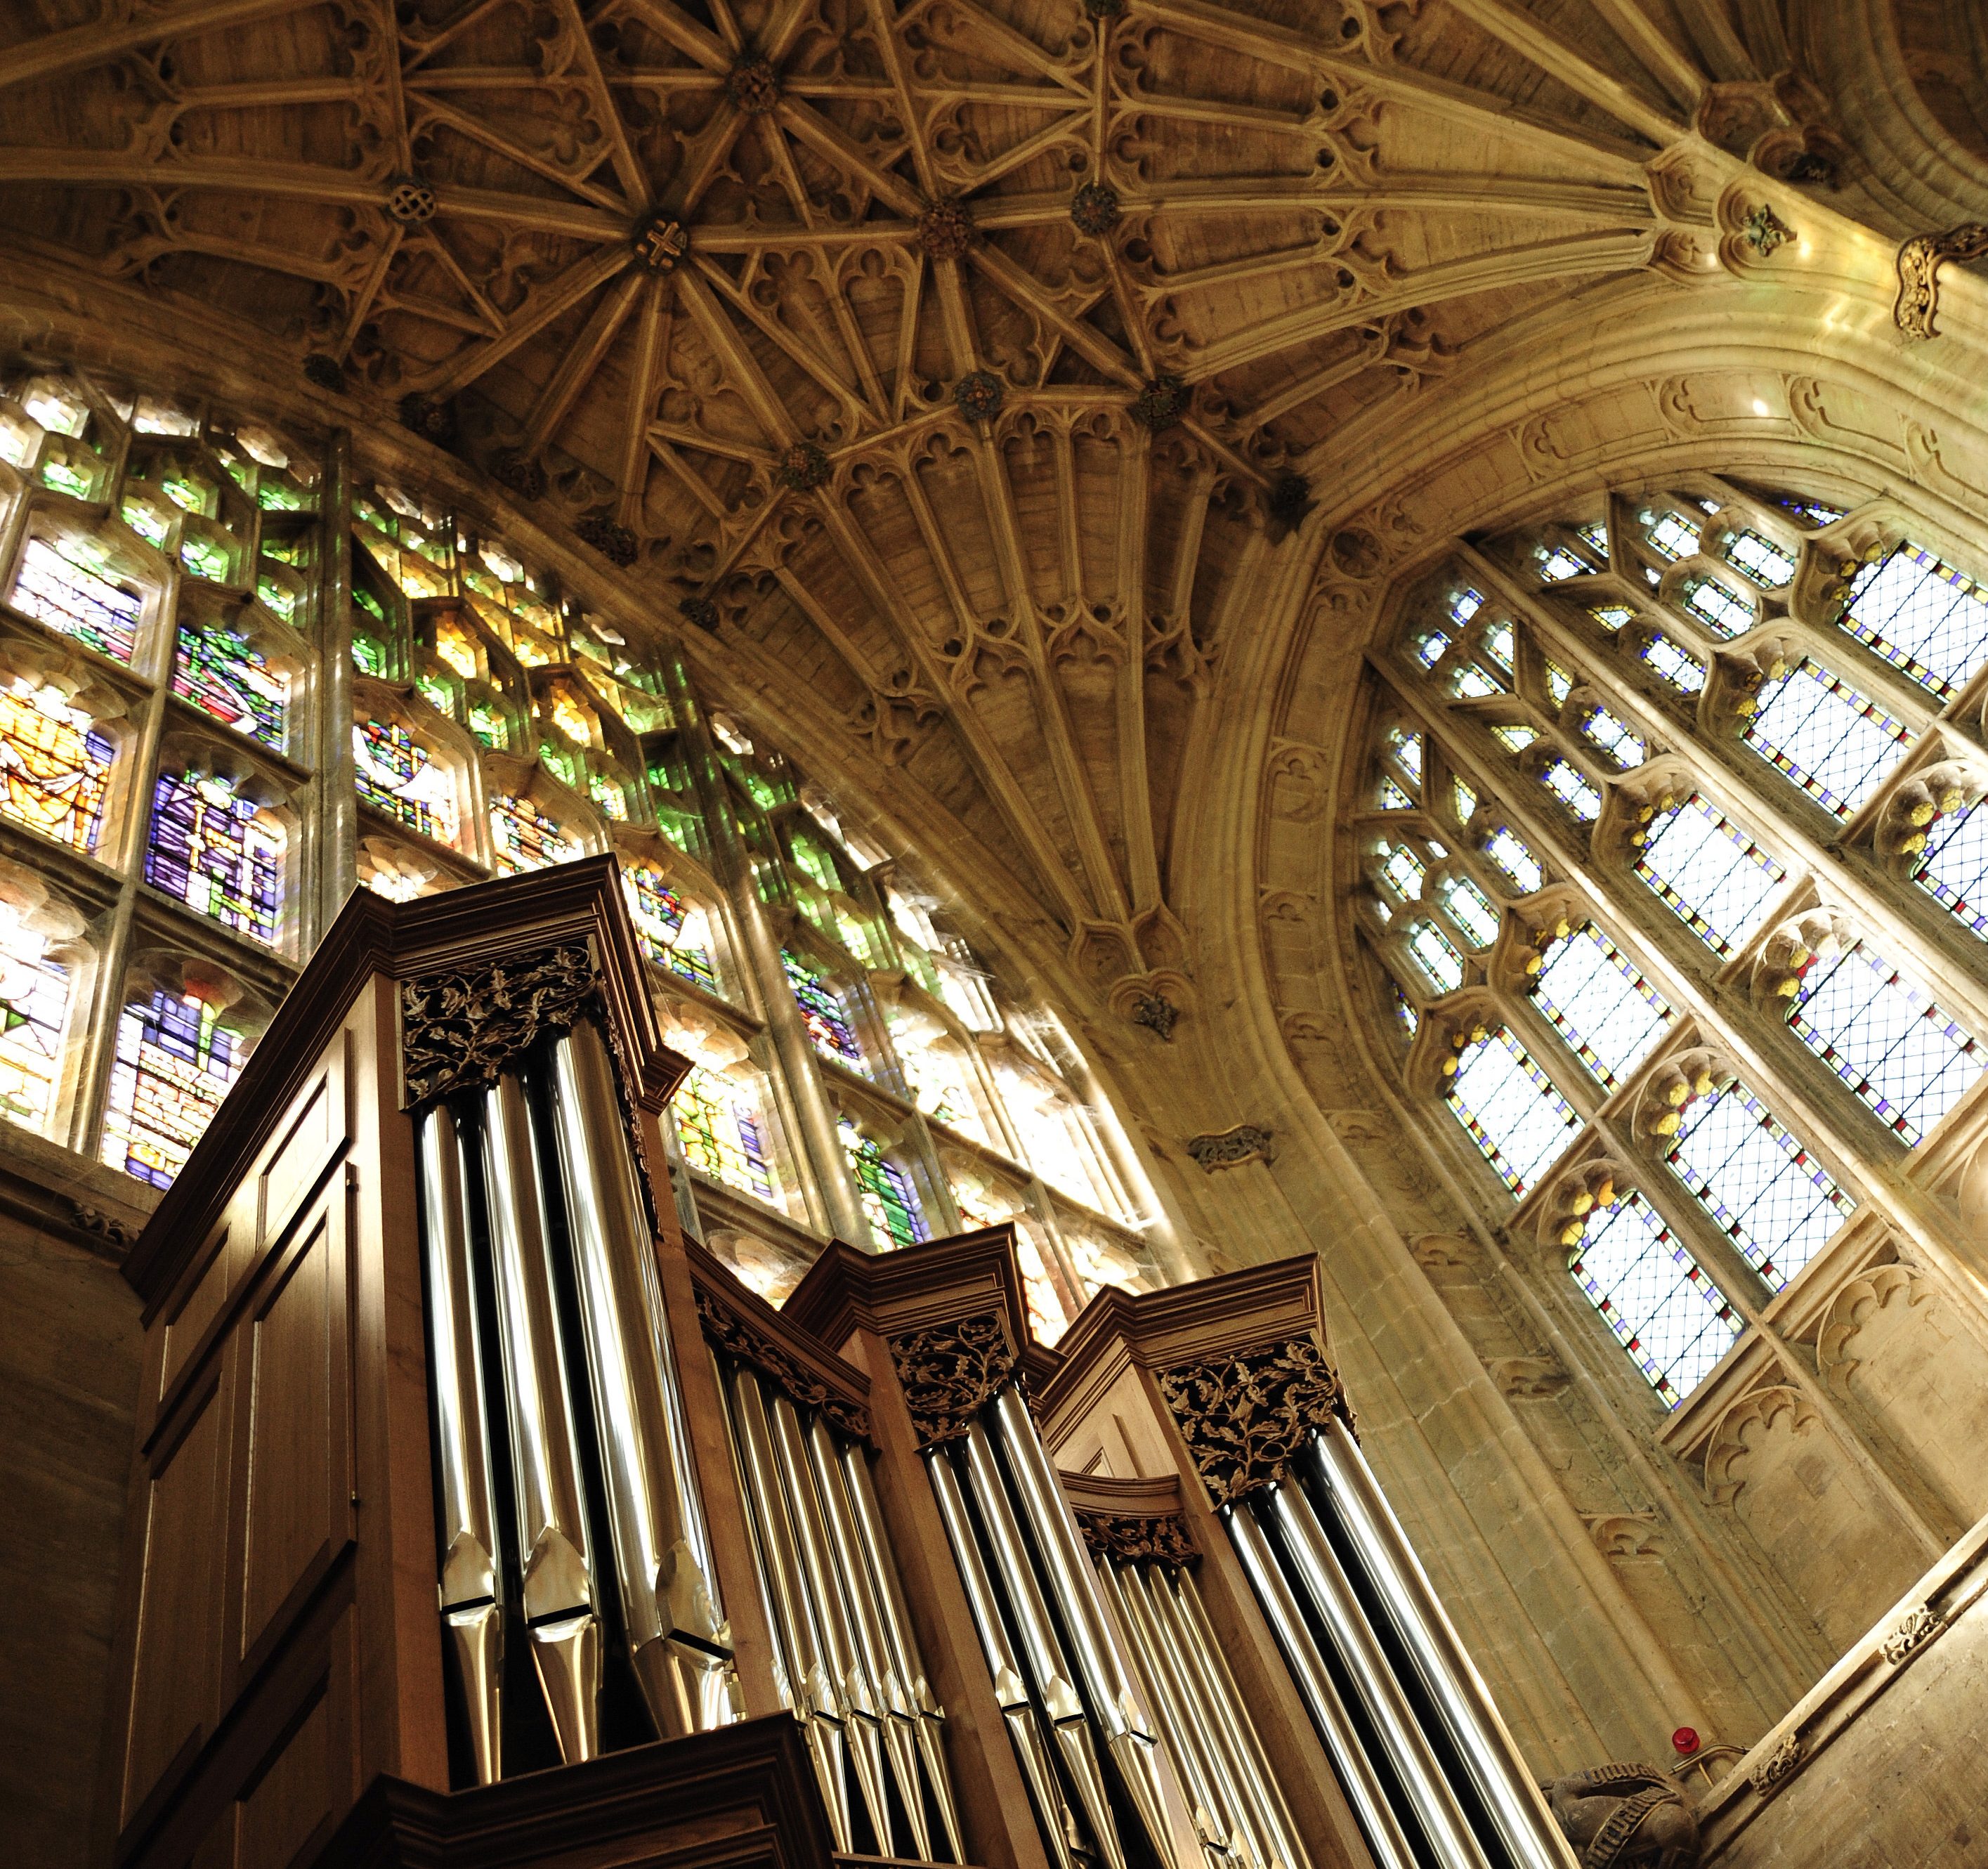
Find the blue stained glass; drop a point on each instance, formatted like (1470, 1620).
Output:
(1708, 873)
(1921, 616)
(217, 670)
(1572, 787)
(1954, 870)
(721, 1133)
(1669, 663)
(528, 837)
(1435, 956)
(1393, 798)
(1558, 564)
(1518, 1119)
(1672, 1319)
(221, 855)
(1512, 858)
(1835, 743)
(175, 1063)
(1769, 1196)
(659, 913)
(1716, 608)
(1885, 1037)
(1810, 512)
(63, 591)
(1595, 532)
(1613, 736)
(1465, 604)
(1407, 748)
(394, 773)
(1429, 647)
(1405, 1011)
(1609, 1014)
(828, 1027)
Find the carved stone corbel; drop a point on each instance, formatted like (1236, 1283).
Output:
(1919, 261)
(1247, 1142)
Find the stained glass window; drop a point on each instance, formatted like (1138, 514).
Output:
(1669, 663)
(55, 764)
(217, 669)
(1613, 736)
(34, 1006)
(1810, 512)
(1708, 873)
(1672, 534)
(1760, 559)
(1472, 910)
(1465, 603)
(1574, 789)
(1921, 616)
(1500, 644)
(668, 928)
(1392, 798)
(1470, 683)
(220, 854)
(1511, 855)
(1429, 646)
(1406, 746)
(722, 1134)
(1884, 1035)
(1611, 616)
(1833, 742)
(1463, 799)
(1771, 1197)
(1609, 1014)
(1671, 1318)
(175, 1063)
(1404, 871)
(58, 585)
(1560, 684)
(528, 837)
(396, 774)
(1411, 1021)
(828, 1027)
(890, 1203)
(1435, 956)
(1515, 736)
(1558, 564)
(1954, 870)
(1718, 609)
(1595, 532)
(1519, 1120)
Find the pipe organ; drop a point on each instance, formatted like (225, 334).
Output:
(480, 1515)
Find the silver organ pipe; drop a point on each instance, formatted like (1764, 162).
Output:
(674, 1626)
(471, 1587)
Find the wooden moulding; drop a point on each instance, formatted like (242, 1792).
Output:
(458, 928)
(741, 1797)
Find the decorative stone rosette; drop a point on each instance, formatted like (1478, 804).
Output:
(1245, 1418)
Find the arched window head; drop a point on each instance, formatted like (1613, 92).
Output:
(81, 587)
(181, 1042)
(830, 1028)
(528, 831)
(674, 932)
(237, 670)
(56, 754)
(720, 1123)
(398, 871)
(219, 840)
(1510, 1106)
(889, 1201)
(402, 771)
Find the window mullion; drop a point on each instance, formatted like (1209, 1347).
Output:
(337, 802)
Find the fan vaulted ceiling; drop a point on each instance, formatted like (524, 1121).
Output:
(958, 361)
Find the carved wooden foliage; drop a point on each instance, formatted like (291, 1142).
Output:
(460, 1029)
(950, 1372)
(1245, 1418)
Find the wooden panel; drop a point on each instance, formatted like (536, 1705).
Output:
(205, 1287)
(294, 1466)
(294, 1799)
(313, 1132)
(174, 1670)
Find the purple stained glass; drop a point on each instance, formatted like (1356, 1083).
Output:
(219, 853)
(1922, 616)
(1954, 870)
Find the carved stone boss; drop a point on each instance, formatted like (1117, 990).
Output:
(1228, 1148)
(1245, 1418)
(950, 1373)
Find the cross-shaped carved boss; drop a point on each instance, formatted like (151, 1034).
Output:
(662, 244)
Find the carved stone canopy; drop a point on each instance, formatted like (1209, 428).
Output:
(950, 1372)
(459, 1029)
(1244, 1418)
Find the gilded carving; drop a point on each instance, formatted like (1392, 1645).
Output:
(950, 1372)
(459, 1030)
(733, 1335)
(1245, 1418)
(1162, 1539)
(1919, 261)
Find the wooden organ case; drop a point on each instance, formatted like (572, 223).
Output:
(478, 1516)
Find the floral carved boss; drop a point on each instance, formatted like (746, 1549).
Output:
(1244, 1418)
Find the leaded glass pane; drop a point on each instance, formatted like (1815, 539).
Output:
(1558, 564)
(1499, 645)
(1611, 616)
(1472, 910)
(219, 853)
(828, 1027)
(1560, 684)
(1463, 800)
(1669, 663)
(1921, 616)
(1884, 1036)
(1835, 743)
(1411, 1021)
(1435, 956)
(1404, 872)
(1613, 736)
(59, 586)
(1465, 604)
(1392, 798)
(1673, 1321)
(175, 1063)
(1708, 873)
(890, 1203)
(528, 837)
(1429, 646)
(1596, 533)
(55, 765)
(1519, 1120)
(719, 1127)
(1406, 746)
(34, 1008)
(396, 774)
(1470, 683)
(1770, 1197)
(1954, 871)
(1810, 512)
(1672, 534)
(217, 669)
(1760, 558)
(1572, 787)
(672, 934)
(1511, 855)
(1609, 1014)
(1718, 609)
(1515, 736)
